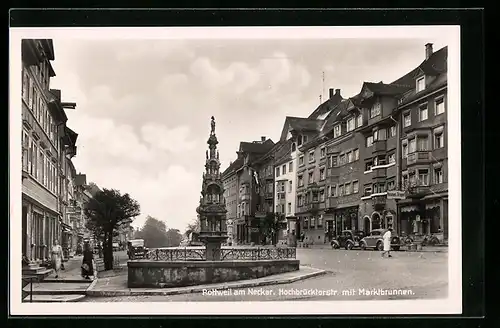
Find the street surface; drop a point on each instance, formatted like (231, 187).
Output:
(418, 275)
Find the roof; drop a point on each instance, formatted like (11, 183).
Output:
(326, 106)
(256, 147)
(233, 166)
(339, 112)
(71, 134)
(436, 64)
(386, 89)
(438, 83)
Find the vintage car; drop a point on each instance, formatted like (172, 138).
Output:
(136, 249)
(348, 239)
(375, 241)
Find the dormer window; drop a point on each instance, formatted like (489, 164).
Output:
(336, 131)
(350, 124)
(359, 121)
(299, 140)
(375, 110)
(420, 83)
(294, 147)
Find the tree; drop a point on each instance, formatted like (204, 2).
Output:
(192, 227)
(270, 225)
(154, 233)
(174, 238)
(107, 210)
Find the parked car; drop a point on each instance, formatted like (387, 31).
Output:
(375, 241)
(347, 239)
(136, 249)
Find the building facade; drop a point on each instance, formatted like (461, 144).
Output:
(231, 194)
(44, 147)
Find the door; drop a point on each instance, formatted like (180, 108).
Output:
(25, 230)
(329, 230)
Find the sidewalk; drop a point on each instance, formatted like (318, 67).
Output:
(117, 286)
(436, 248)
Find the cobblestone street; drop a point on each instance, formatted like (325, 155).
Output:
(425, 274)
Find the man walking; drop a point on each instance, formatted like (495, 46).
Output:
(387, 242)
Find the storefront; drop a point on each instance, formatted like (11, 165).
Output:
(346, 219)
(427, 216)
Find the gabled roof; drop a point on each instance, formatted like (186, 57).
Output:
(300, 124)
(233, 166)
(326, 106)
(383, 89)
(256, 147)
(436, 64)
(337, 115)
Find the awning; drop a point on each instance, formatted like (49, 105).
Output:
(431, 206)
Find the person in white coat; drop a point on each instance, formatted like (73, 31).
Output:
(387, 242)
(56, 258)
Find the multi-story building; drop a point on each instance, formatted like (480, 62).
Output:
(44, 147)
(247, 226)
(231, 194)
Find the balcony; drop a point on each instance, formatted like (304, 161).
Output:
(419, 157)
(314, 187)
(379, 173)
(379, 146)
(312, 207)
(332, 202)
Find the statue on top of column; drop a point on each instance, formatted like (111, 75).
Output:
(213, 126)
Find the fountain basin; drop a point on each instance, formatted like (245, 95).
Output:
(159, 274)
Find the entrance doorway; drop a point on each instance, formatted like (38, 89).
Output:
(375, 221)
(367, 225)
(329, 230)
(25, 230)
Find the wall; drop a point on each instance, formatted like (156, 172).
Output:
(154, 274)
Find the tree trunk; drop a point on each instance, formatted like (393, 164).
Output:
(108, 251)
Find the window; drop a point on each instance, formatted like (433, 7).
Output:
(438, 176)
(277, 171)
(34, 161)
(294, 147)
(289, 208)
(355, 187)
(283, 169)
(31, 88)
(369, 141)
(438, 139)
(420, 83)
(311, 177)
(333, 190)
(351, 124)
(423, 177)
(323, 152)
(333, 161)
(311, 156)
(341, 190)
(375, 110)
(407, 120)
(342, 159)
(304, 139)
(405, 180)
(299, 140)
(391, 185)
(301, 160)
(412, 145)
(322, 174)
(290, 186)
(299, 200)
(290, 167)
(300, 179)
(392, 131)
(439, 105)
(356, 154)
(422, 143)
(322, 195)
(41, 171)
(422, 113)
(368, 166)
(367, 191)
(348, 188)
(349, 157)
(320, 221)
(392, 158)
(404, 147)
(312, 222)
(336, 131)
(282, 185)
(26, 85)
(359, 121)
(379, 134)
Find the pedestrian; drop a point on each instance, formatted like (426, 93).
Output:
(87, 263)
(387, 242)
(56, 258)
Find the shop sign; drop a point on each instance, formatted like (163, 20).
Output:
(396, 194)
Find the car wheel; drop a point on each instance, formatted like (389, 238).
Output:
(380, 246)
(349, 246)
(362, 245)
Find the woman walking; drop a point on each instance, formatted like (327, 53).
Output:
(56, 258)
(87, 263)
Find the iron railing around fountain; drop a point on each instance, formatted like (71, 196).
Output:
(227, 254)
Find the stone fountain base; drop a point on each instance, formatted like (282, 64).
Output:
(158, 274)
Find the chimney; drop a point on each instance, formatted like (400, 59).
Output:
(331, 93)
(263, 138)
(428, 50)
(337, 92)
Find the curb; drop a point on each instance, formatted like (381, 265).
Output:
(195, 289)
(76, 298)
(66, 281)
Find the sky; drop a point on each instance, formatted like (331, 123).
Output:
(144, 105)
